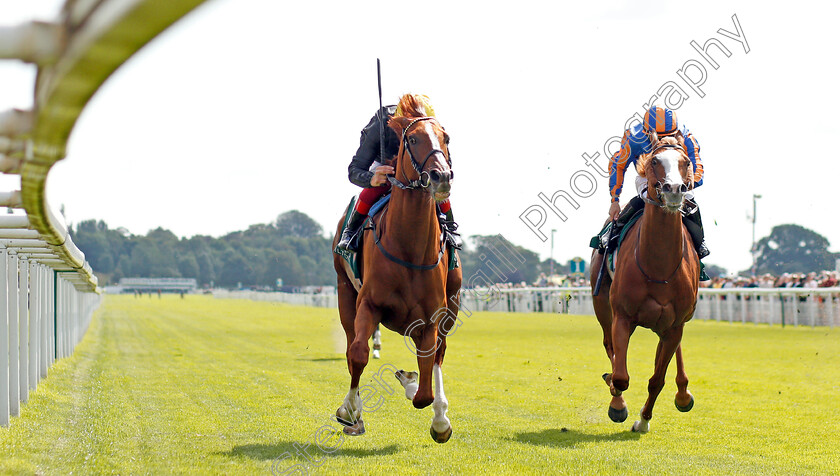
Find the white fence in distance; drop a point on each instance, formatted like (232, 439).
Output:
(300, 299)
(785, 306)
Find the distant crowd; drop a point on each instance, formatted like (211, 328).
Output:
(825, 279)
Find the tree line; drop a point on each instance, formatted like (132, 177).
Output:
(294, 250)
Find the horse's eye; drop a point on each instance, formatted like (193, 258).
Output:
(654, 162)
(412, 140)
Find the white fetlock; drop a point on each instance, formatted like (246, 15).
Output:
(440, 422)
(411, 390)
(641, 426)
(409, 381)
(351, 409)
(375, 353)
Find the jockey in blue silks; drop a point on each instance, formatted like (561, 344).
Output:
(658, 122)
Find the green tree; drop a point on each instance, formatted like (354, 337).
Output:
(295, 223)
(500, 261)
(715, 271)
(237, 270)
(793, 249)
(188, 266)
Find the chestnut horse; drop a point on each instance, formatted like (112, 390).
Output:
(655, 282)
(406, 282)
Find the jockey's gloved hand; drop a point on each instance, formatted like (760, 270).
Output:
(615, 210)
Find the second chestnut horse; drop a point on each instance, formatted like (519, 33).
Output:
(655, 282)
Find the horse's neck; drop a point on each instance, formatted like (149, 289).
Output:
(660, 241)
(412, 225)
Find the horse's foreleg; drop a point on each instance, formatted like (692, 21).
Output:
(441, 429)
(683, 400)
(622, 329)
(427, 346)
(668, 344)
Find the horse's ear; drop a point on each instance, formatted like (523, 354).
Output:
(680, 139)
(398, 124)
(641, 164)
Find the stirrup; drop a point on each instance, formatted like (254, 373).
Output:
(703, 275)
(346, 241)
(450, 231)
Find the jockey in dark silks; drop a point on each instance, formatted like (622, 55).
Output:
(367, 170)
(637, 140)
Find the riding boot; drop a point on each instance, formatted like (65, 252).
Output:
(453, 237)
(353, 224)
(694, 225)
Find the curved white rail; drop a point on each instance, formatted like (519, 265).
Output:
(47, 290)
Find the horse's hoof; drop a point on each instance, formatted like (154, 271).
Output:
(406, 377)
(441, 437)
(617, 416)
(638, 427)
(354, 430)
(375, 354)
(606, 378)
(687, 407)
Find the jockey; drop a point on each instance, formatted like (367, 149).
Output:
(658, 122)
(367, 170)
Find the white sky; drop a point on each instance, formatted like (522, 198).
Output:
(249, 108)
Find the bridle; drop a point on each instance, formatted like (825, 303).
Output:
(422, 182)
(661, 204)
(424, 179)
(660, 181)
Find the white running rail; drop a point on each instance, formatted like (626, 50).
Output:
(785, 306)
(48, 292)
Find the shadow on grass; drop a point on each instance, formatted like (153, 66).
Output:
(555, 437)
(296, 450)
(326, 359)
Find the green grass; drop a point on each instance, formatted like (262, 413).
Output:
(205, 386)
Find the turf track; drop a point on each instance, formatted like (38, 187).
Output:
(206, 386)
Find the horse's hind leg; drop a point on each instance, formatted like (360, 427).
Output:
(377, 342)
(668, 344)
(684, 400)
(617, 410)
(358, 351)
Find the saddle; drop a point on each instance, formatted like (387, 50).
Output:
(353, 259)
(602, 243)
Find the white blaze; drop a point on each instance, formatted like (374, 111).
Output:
(670, 160)
(430, 131)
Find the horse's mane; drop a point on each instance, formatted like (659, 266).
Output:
(411, 107)
(642, 163)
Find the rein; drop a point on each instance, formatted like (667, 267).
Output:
(424, 180)
(377, 238)
(639, 265)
